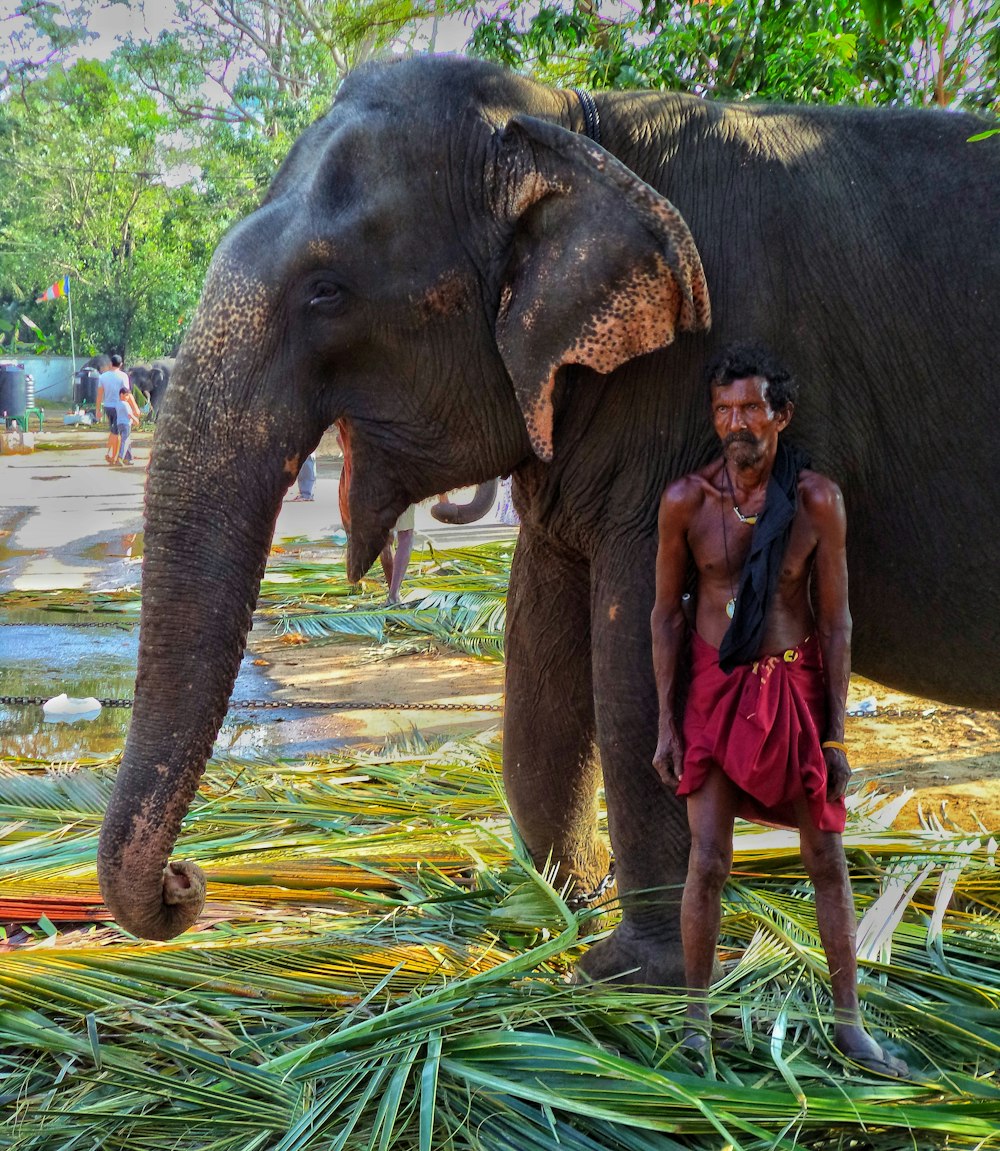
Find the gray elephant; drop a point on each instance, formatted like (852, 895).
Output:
(451, 262)
(152, 379)
(448, 512)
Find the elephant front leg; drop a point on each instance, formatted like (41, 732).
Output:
(647, 823)
(550, 771)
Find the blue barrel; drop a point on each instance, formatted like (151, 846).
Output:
(13, 391)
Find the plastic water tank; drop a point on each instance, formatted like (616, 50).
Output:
(13, 391)
(85, 387)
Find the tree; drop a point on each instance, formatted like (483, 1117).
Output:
(857, 51)
(86, 195)
(39, 34)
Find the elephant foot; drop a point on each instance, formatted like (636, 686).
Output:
(630, 958)
(587, 877)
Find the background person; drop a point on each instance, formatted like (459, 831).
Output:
(124, 409)
(306, 480)
(109, 384)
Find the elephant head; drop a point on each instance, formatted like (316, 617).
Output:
(430, 255)
(139, 376)
(159, 378)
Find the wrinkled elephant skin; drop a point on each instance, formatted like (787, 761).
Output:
(448, 263)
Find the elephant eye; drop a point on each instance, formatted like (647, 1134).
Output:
(326, 295)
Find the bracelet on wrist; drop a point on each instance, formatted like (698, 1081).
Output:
(834, 744)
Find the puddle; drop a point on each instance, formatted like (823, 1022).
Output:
(128, 546)
(47, 659)
(7, 554)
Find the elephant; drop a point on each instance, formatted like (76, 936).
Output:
(101, 362)
(447, 512)
(152, 379)
(483, 275)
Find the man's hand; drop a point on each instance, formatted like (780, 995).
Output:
(669, 758)
(838, 773)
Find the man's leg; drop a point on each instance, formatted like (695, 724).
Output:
(826, 863)
(111, 452)
(404, 545)
(307, 478)
(385, 559)
(711, 811)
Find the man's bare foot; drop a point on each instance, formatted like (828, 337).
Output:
(855, 1044)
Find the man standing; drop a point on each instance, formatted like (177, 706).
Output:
(762, 731)
(109, 385)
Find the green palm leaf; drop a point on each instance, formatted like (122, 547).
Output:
(379, 966)
(378, 969)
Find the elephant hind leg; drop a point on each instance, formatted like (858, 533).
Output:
(551, 772)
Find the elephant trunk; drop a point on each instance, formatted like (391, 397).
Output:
(449, 513)
(201, 577)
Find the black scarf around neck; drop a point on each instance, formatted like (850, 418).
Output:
(762, 569)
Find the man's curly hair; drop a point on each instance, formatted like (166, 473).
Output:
(740, 361)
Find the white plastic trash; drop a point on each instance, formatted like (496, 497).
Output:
(866, 706)
(68, 709)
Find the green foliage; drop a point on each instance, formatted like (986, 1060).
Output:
(86, 196)
(839, 51)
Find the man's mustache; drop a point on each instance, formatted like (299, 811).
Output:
(738, 438)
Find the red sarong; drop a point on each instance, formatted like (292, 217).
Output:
(759, 724)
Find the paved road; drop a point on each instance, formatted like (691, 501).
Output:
(68, 520)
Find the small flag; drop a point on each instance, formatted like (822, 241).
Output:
(59, 289)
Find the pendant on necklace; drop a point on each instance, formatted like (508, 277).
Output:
(731, 607)
(751, 520)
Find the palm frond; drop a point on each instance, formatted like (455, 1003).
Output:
(379, 966)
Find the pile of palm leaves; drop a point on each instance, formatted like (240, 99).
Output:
(454, 599)
(379, 967)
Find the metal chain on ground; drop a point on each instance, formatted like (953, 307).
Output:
(585, 898)
(286, 704)
(74, 623)
(943, 712)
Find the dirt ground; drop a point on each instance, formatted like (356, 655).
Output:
(949, 756)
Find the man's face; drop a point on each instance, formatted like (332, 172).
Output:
(745, 422)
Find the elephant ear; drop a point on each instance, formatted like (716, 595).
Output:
(602, 267)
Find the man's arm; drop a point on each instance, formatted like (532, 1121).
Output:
(667, 624)
(833, 619)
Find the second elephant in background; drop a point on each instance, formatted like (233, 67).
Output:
(152, 379)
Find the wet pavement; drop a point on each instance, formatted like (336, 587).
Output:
(68, 521)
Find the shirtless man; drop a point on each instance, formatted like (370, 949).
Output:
(762, 735)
